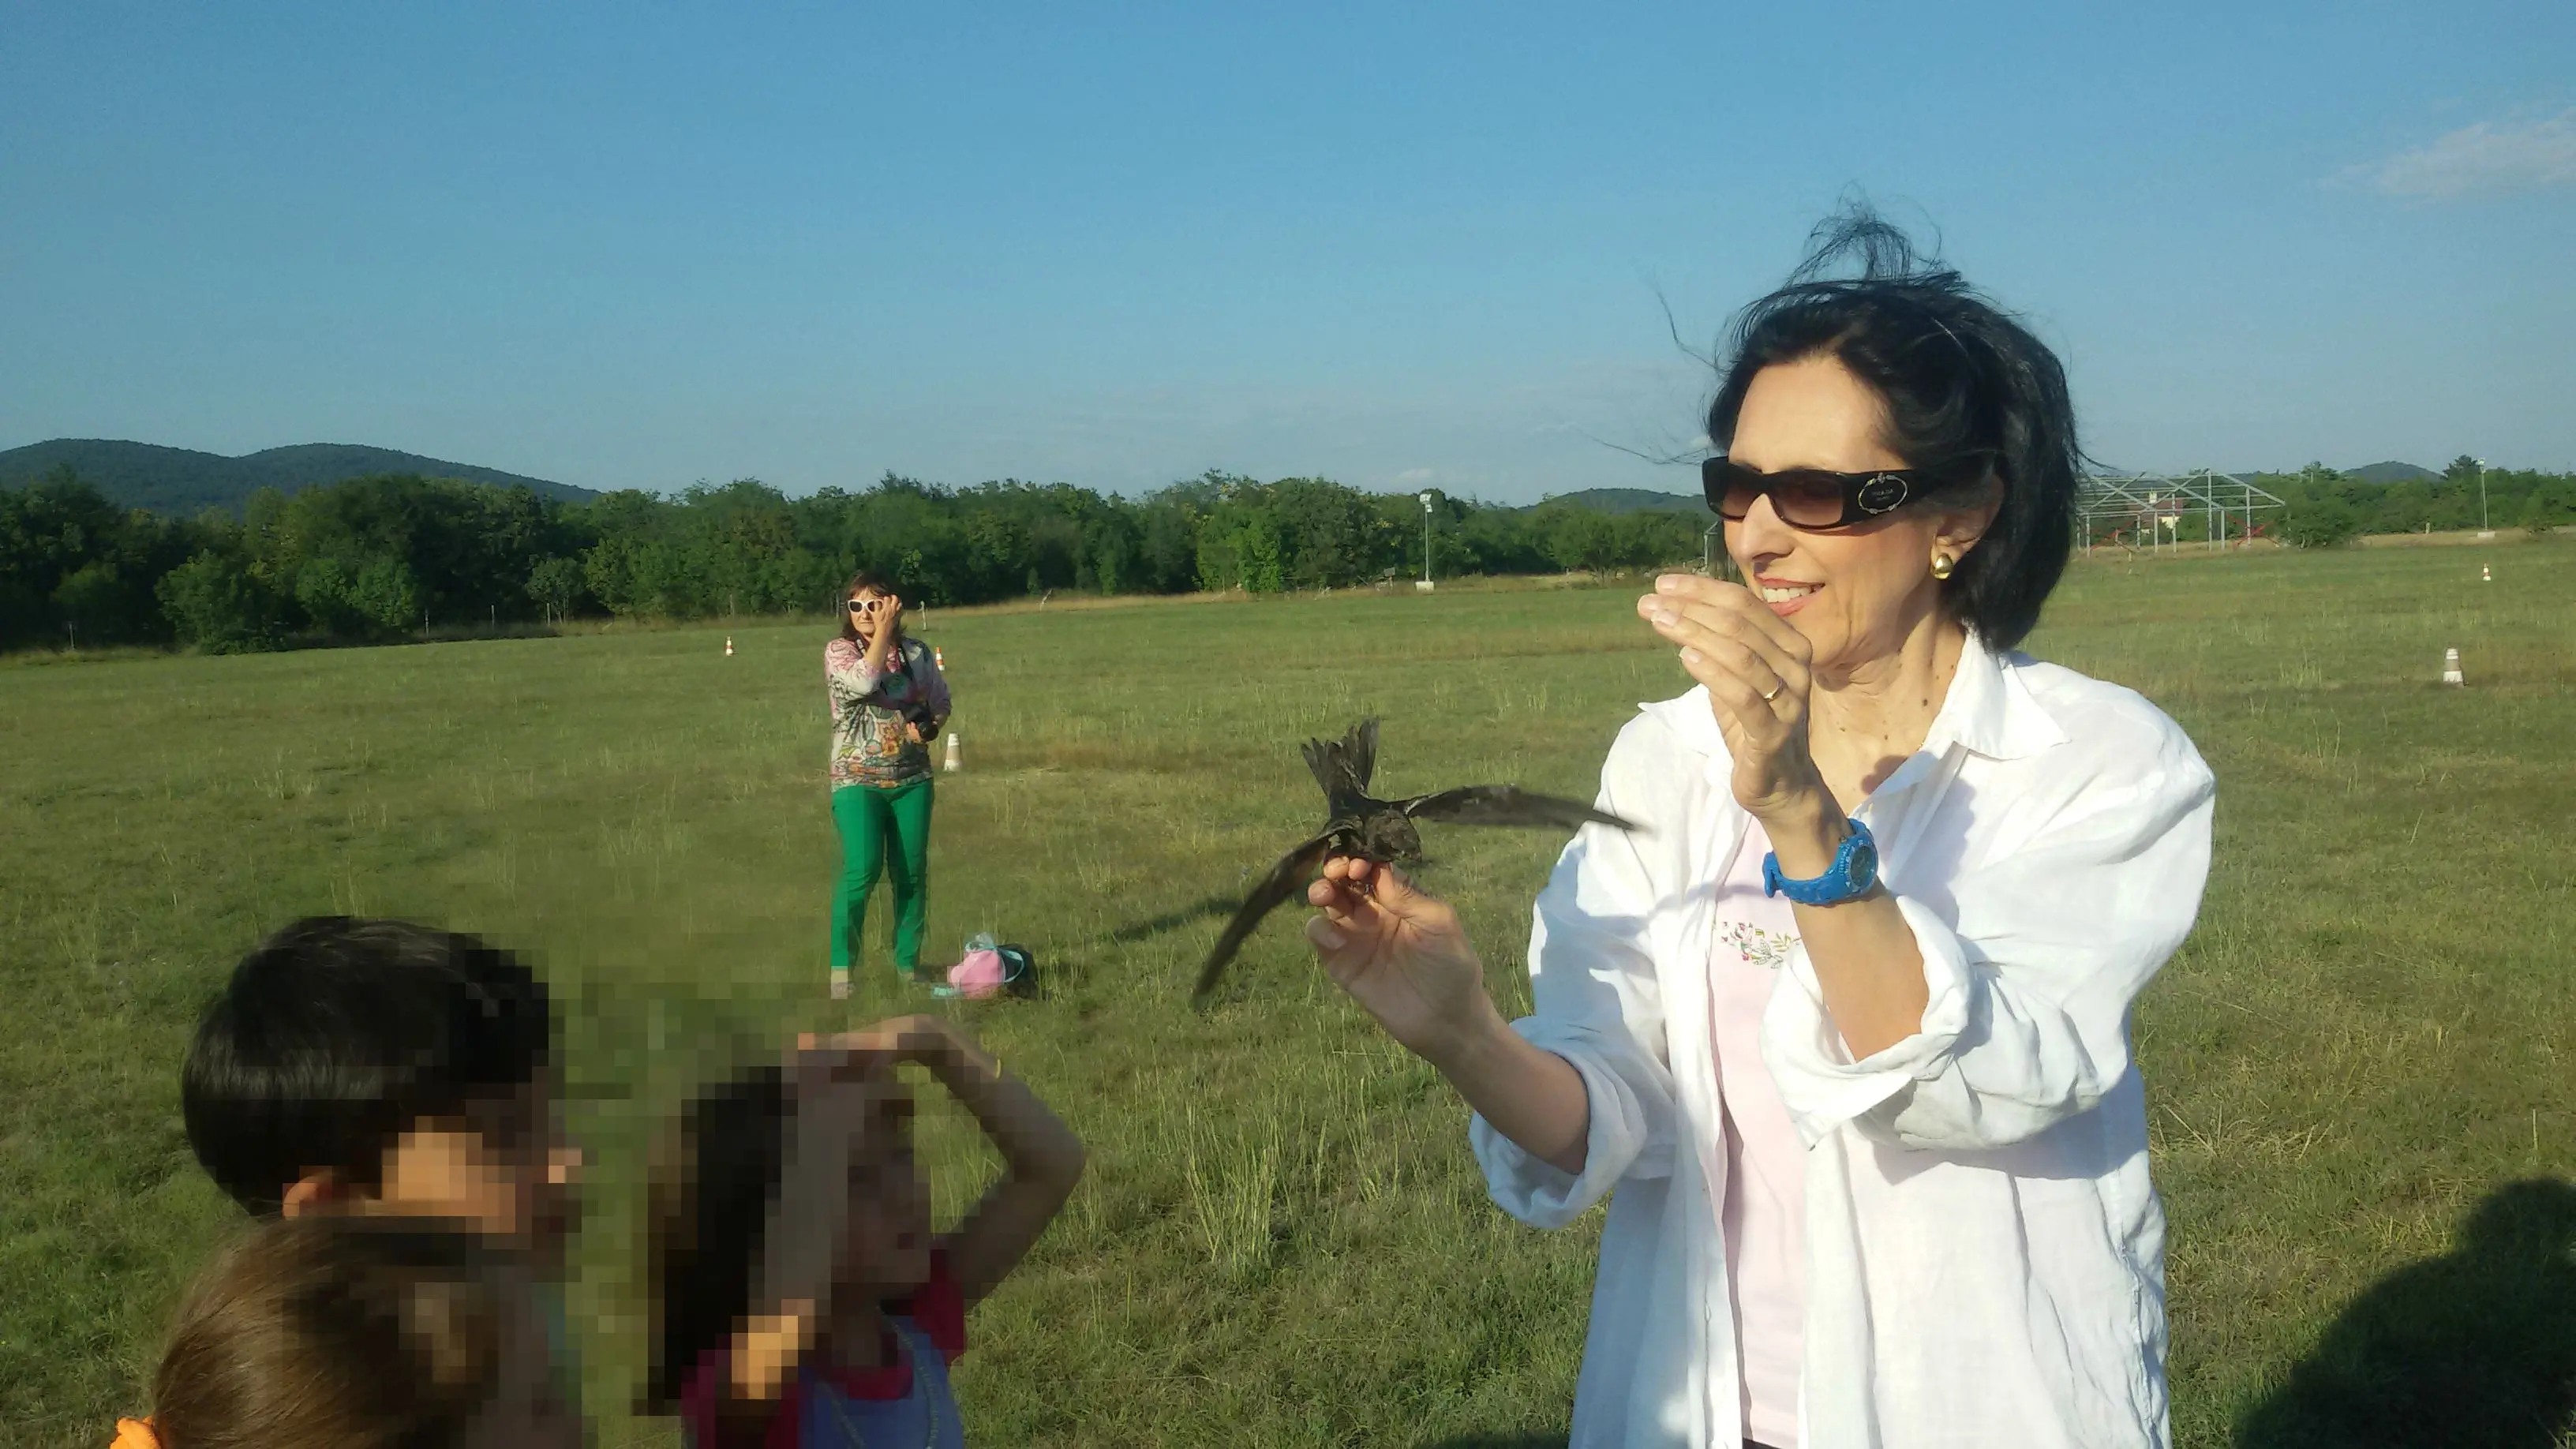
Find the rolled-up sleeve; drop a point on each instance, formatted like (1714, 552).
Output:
(844, 665)
(2032, 958)
(1598, 1006)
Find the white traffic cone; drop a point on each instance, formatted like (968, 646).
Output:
(728, 646)
(2486, 573)
(952, 764)
(2451, 667)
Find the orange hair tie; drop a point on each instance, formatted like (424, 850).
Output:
(136, 1434)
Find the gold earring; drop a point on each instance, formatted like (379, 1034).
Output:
(1942, 563)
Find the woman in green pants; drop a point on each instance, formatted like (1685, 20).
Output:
(888, 703)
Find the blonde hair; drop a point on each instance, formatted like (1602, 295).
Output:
(335, 1332)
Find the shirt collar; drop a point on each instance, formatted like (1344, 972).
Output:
(1990, 709)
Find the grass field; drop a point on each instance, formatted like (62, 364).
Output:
(1283, 1239)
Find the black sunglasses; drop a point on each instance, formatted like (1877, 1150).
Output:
(1811, 498)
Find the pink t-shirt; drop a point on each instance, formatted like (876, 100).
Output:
(1763, 1220)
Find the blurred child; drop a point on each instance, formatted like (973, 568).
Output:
(379, 1066)
(339, 1332)
(800, 1297)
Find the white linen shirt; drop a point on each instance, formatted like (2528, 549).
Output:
(1984, 1250)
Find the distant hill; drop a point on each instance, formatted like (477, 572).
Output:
(181, 482)
(2366, 473)
(2390, 473)
(1633, 500)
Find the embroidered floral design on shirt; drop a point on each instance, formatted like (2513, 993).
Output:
(1759, 947)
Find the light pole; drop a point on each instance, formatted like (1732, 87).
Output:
(2483, 525)
(1426, 540)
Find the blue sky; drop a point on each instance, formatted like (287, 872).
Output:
(644, 244)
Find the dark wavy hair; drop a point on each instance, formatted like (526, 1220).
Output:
(880, 583)
(337, 1034)
(708, 1199)
(1970, 393)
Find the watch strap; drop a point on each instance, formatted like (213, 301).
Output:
(1853, 874)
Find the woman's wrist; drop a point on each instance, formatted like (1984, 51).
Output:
(1806, 832)
(1467, 1047)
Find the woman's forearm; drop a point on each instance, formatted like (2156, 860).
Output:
(1531, 1095)
(1864, 954)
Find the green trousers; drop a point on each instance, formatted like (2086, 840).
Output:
(888, 831)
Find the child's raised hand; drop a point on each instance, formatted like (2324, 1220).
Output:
(836, 1094)
(1042, 1159)
(928, 1040)
(906, 1038)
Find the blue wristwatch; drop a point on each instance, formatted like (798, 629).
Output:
(1852, 875)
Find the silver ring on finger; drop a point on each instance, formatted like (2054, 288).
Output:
(1774, 691)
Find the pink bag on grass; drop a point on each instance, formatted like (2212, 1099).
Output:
(980, 975)
(989, 970)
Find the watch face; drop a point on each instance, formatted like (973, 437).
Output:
(1864, 866)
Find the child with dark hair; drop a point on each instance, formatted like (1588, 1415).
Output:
(382, 1066)
(358, 1333)
(800, 1297)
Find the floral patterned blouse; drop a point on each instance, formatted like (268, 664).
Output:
(869, 746)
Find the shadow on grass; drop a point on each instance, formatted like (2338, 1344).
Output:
(1174, 920)
(2475, 1347)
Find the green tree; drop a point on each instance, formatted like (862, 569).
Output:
(2320, 523)
(322, 590)
(74, 566)
(2538, 517)
(218, 605)
(91, 597)
(1578, 538)
(555, 583)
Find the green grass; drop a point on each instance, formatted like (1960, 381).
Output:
(1283, 1239)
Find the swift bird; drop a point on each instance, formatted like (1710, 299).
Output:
(1380, 830)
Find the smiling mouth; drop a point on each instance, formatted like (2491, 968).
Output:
(1787, 593)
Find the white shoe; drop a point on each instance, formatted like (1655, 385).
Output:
(840, 986)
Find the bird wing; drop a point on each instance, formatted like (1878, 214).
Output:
(1506, 805)
(1343, 766)
(1361, 742)
(1284, 880)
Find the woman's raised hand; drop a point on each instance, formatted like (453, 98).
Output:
(1399, 953)
(1756, 668)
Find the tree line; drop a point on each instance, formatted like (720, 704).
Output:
(2327, 508)
(398, 555)
(393, 556)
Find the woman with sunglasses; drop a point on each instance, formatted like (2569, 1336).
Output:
(1842, 1032)
(888, 703)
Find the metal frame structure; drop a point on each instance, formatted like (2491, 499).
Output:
(2144, 509)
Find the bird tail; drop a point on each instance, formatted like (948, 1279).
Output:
(1343, 766)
